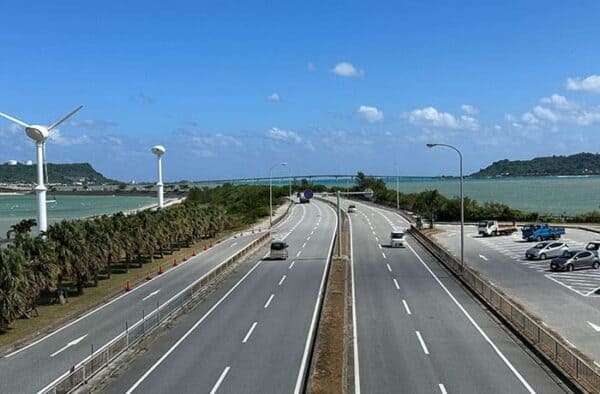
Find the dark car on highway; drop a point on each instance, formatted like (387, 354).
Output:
(574, 259)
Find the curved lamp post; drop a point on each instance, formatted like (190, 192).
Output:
(462, 202)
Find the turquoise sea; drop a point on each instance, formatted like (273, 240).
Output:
(567, 195)
(16, 208)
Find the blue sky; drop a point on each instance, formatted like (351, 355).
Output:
(330, 87)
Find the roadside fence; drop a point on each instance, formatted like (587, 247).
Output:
(575, 365)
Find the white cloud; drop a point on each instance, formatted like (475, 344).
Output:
(469, 109)
(10, 129)
(589, 84)
(311, 67)
(431, 117)
(558, 101)
(345, 69)
(91, 124)
(370, 114)
(278, 134)
(218, 139)
(274, 97)
(545, 113)
(57, 137)
(555, 110)
(529, 119)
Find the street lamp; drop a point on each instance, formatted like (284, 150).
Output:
(462, 202)
(271, 191)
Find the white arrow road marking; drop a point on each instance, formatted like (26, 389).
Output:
(594, 326)
(155, 292)
(483, 257)
(68, 345)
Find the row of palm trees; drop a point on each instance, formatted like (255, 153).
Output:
(75, 253)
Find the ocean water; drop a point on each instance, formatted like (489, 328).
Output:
(16, 208)
(547, 195)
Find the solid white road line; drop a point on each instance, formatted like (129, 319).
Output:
(483, 257)
(269, 301)
(221, 378)
(313, 323)
(354, 324)
(443, 389)
(191, 330)
(406, 307)
(389, 268)
(249, 332)
(281, 281)
(155, 292)
(422, 342)
(396, 284)
(291, 265)
(474, 323)
(68, 345)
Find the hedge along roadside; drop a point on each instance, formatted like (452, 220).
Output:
(81, 372)
(576, 366)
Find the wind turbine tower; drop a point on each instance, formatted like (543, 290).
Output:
(159, 150)
(39, 134)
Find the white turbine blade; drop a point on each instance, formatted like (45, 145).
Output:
(53, 125)
(17, 121)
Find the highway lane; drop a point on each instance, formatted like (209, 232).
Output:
(418, 331)
(565, 301)
(255, 337)
(52, 355)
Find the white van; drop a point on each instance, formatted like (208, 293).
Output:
(397, 237)
(278, 250)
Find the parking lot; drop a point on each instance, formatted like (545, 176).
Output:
(584, 282)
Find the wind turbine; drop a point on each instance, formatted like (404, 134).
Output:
(39, 134)
(159, 150)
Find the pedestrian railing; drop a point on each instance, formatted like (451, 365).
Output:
(79, 374)
(578, 367)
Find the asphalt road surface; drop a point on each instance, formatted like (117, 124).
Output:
(253, 336)
(35, 366)
(418, 331)
(566, 301)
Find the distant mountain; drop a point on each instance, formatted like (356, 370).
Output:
(67, 174)
(578, 164)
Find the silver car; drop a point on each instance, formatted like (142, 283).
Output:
(573, 259)
(547, 249)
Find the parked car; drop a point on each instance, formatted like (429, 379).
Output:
(594, 247)
(351, 208)
(278, 250)
(397, 237)
(573, 259)
(546, 249)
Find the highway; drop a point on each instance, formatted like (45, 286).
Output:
(254, 333)
(418, 331)
(33, 367)
(566, 301)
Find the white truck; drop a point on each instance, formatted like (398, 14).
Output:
(397, 237)
(488, 228)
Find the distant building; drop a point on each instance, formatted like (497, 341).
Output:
(28, 163)
(12, 162)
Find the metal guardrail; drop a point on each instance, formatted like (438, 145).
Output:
(80, 373)
(574, 365)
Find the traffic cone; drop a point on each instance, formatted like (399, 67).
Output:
(184, 258)
(211, 245)
(148, 276)
(193, 252)
(160, 271)
(174, 262)
(205, 247)
(127, 286)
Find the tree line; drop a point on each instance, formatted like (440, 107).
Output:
(74, 254)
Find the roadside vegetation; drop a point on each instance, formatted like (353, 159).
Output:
(74, 256)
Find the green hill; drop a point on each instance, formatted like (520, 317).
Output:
(578, 164)
(57, 173)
